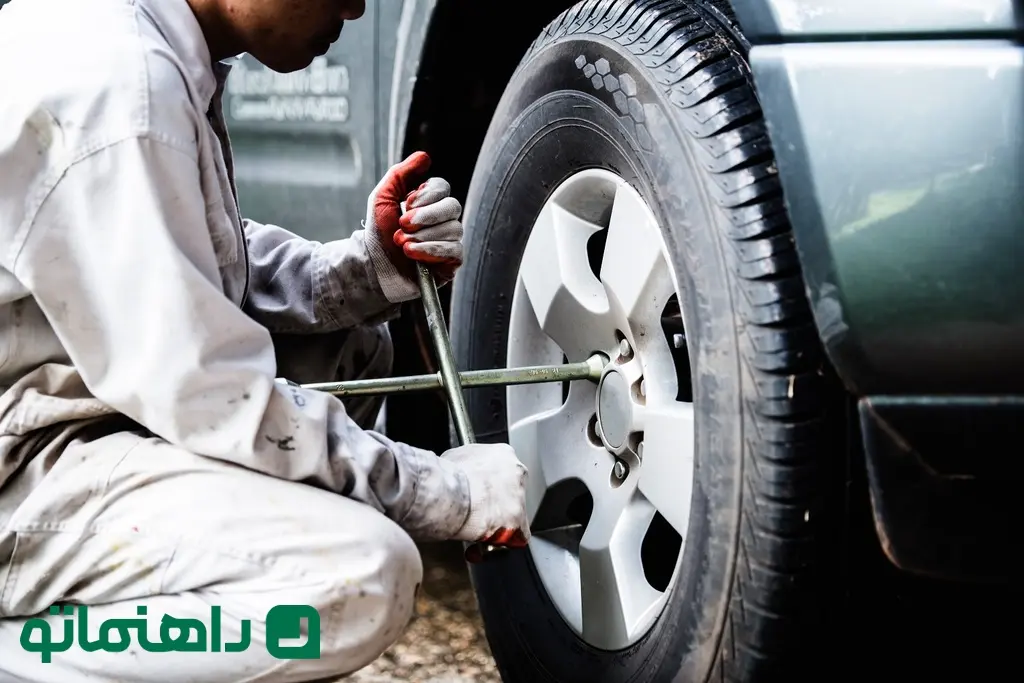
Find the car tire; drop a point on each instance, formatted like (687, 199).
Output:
(683, 127)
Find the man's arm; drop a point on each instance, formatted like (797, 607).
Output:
(121, 261)
(302, 286)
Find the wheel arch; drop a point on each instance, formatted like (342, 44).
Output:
(450, 73)
(453, 61)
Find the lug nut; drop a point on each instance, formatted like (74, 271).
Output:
(643, 388)
(678, 341)
(640, 450)
(620, 471)
(624, 349)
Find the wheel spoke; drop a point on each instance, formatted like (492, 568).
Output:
(554, 447)
(591, 566)
(615, 596)
(634, 270)
(569, 302)
(561, 572)
(665, 478)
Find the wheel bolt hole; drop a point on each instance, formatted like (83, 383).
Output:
(594, 431)
(620, 472)
(639, 392)
(635, 449)
(625, 351)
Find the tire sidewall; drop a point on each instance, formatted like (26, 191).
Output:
(551, 124)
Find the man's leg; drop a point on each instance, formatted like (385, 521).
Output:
(125, 521)
(359, 353)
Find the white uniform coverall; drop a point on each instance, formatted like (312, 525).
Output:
(139, 413)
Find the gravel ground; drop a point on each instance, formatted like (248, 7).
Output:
(444, 642)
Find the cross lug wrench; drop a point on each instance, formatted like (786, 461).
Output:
(453, 382)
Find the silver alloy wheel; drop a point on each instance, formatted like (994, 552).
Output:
(625, 447)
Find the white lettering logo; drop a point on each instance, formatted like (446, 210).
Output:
(317, 93)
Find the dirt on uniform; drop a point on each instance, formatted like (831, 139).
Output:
(444, 642)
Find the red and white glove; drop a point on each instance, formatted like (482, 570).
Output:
(497, 494)
(430, 231)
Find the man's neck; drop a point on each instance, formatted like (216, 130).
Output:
(219, 37)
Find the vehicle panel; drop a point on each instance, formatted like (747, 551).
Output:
(890, 153)
(789, 20)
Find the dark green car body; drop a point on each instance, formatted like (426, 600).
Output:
(901, 144)
(899, 134)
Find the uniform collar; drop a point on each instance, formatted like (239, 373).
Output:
(180, 28)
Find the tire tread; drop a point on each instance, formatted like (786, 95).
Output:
(695, 51)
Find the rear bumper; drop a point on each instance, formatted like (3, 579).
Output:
(901, 151)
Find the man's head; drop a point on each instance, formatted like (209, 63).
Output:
(284, 35)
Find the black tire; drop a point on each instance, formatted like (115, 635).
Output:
(747, 602)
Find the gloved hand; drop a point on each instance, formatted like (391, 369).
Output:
(429, 232)
(497, 494)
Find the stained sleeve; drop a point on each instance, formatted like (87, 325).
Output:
(121, 260)
(301, 286)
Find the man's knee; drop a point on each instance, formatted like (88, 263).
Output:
(361, 618)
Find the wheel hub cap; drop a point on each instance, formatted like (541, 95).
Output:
(614, 411)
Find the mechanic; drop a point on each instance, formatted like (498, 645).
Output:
(150, 456)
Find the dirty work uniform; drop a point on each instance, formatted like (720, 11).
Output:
(139, 416)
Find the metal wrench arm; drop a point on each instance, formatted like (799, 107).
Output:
(590, 369)
(445, 359)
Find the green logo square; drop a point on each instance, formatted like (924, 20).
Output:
(284, 632)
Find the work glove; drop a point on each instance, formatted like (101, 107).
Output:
(410, 219)
(497, 494)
